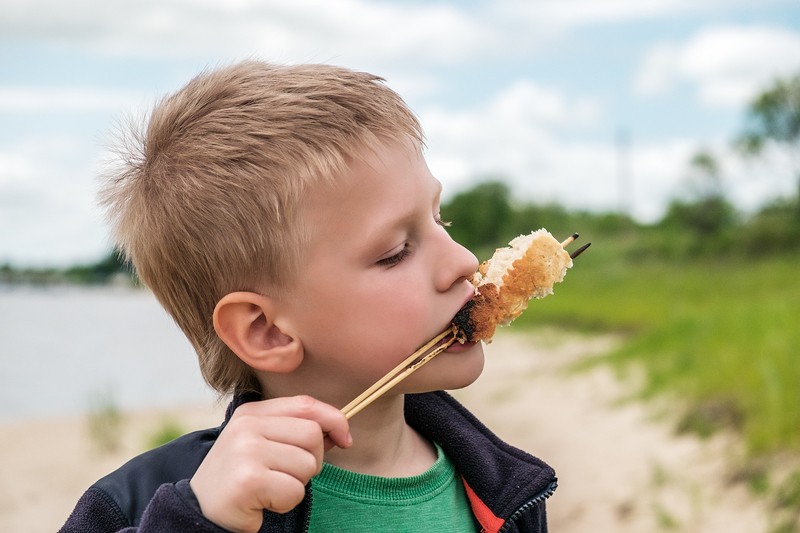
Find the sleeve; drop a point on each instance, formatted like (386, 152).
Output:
(173, 509)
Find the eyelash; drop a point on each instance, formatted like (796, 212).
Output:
(397, 258)
(400, 256)
(442, 223)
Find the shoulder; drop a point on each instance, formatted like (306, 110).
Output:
(132, 486)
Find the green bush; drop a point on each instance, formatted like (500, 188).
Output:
(168, 430)
(104, 422)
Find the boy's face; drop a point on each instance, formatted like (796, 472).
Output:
(381, 277)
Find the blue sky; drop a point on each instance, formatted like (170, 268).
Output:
(534, 91)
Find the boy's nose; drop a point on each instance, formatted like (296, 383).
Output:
(455, 265)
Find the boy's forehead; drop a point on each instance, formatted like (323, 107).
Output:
(395, 179)
(383, 162)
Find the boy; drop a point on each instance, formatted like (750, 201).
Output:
(286, 219)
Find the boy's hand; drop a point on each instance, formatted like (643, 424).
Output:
(263, 459)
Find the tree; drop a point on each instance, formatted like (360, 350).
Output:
(480, 215)
(773, 118)
(706, 219)
(101, 271)
(705, 176)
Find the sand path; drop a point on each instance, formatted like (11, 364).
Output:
(619, 469)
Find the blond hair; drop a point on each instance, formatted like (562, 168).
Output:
(207, 197)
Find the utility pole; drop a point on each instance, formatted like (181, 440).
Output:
(624, 173)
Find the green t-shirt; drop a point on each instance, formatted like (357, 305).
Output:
(435, 500)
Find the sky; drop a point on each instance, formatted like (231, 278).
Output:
(594, 104)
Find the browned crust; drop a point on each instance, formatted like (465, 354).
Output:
(479, 318)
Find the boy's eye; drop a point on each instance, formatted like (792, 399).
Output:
(396, 258)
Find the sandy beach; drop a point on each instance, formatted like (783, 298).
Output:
(620, 467)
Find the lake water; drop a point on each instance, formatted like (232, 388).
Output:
(64, 349)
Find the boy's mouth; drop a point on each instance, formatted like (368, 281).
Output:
(462, 321)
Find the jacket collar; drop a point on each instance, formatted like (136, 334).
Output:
(500, 479)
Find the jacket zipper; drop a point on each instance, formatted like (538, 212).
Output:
(536, 500)
(307, 514)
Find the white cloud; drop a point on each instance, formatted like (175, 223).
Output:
(63, 99)
(363, 31)
(658, 73)
(48, 213)
(15, 167)
(556, 17)
(517, 123)
(515, 136)
(726, 65)
(288, 30)
(571, 13)
(526, 101)
(528, 132)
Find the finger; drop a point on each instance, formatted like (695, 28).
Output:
(284, 492)
(297, 462)
(251, 435)
(301, 433)
(331, 421)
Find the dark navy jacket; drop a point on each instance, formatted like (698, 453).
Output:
(506, 487)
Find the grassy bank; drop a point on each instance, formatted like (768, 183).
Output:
(717, 334)
(720, 333)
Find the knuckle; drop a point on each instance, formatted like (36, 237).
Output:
(292, 493)
(310, 466)
(243, 411)
(305, 403)
(310, 435)
(250, 479)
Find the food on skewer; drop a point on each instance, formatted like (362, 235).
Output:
(527, 268)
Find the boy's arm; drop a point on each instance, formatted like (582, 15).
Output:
(171, 510)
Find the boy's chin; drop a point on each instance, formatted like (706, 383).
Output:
(452, 369)
(470, 367)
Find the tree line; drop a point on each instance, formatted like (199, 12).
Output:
(486, 216)
(705, 223)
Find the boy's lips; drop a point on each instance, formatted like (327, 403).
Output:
(468, 297)
(458, 347)
(464, 303)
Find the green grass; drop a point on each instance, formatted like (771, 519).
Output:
(168, 430)
(722, 334)
(104, 422)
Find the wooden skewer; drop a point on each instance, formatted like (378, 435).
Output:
(569, 239)
(400, 372)
(579, 251)
(397, 379)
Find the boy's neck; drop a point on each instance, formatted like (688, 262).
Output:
(384, 444)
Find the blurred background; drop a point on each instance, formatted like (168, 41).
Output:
(666, 133)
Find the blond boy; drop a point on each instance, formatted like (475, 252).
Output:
(286, 219)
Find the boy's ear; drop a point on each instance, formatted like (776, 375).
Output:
(246, 322)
